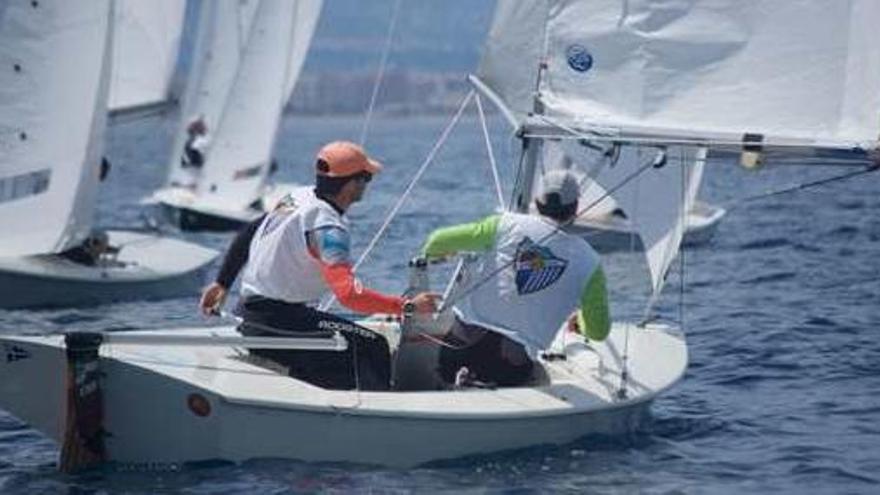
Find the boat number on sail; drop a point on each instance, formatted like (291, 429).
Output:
(536, 267)
(15, 353)
(579, 59)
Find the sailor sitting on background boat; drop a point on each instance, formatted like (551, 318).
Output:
(294, 255)
(194, 148)
(92, 251)
(533, 276)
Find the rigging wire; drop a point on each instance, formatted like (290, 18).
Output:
(681, 252)
(380, 73)
(800, 187)
(492, 162)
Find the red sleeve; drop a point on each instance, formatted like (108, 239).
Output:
(351, 294)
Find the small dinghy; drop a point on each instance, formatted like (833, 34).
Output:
(247, 58)
(141, 266)
(50, 253)
(222, 406)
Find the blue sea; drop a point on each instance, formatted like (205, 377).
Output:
(781, 309)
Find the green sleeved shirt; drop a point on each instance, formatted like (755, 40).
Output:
(593, 316)
(474, 236)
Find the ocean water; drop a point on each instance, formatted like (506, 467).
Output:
(782, 312)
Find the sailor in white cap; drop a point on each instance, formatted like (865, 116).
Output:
(532, 278)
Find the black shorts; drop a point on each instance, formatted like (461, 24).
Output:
(484, 359)
(365, 365)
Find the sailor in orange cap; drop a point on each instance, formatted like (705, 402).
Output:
(298, 253)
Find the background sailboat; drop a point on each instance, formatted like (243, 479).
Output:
(248, 57)
(53, 112)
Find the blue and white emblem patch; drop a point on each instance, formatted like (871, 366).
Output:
(536, 267)
(579, 59)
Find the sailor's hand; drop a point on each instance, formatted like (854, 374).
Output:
(572, 324)
(425, 302)
(212, 299)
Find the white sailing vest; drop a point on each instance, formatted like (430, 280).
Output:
(539, 286)
(279, 265)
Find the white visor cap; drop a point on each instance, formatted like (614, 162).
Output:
(559, 182)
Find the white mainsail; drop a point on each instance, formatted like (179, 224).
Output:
(799, 72)
(805, 70)
(146, 43)
(239, 86)
(306, 13)
(223, 29)
(54, 82)
(238, 160)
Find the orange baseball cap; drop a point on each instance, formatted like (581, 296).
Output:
(344, 158)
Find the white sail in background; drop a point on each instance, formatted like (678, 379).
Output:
(796, 69)
(223, 29)
(306, 13)
(146, 43)
(241, 81)
(54, 82)
(238, 160)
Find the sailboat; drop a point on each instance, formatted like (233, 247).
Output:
(133, 384)
(146, 42)
(248, 56)
(54, 100)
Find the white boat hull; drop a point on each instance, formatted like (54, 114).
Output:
(147, 267)
(257, 413)
(612, 233)
(181, 207)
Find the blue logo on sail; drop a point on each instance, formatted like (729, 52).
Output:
(579, 59)
(536, 267)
